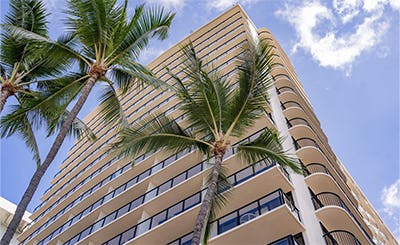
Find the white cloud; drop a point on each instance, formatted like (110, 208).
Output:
(176, 5)
(335, 36)
(149, 54)
(224, 4)
(390, 198)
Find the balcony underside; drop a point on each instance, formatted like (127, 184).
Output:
(336, 218)
(263, 229)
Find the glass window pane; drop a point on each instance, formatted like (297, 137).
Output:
(260, 167)
(86, 232)
(191, 201)
(137, 202)
(226, 223)
(119, 190)
(196, 169)
(244, 175)
(187, 239)
(149, 195)
(110, 218)
(123, 210)
(178, 179)
(247, 213)
(164, 187)
(158, 219)
(97, 225)
(131, 182)
(96, 204)
(270, 202)
(128, 235)
(143, 227)
(174, 210)
(114, 241)
(144, 175)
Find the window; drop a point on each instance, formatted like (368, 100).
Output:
(158, 219)
(270, 202)
(196, 169)
(191, 201)
(128, 235)
(228, 222)
(178, 179)
(244, 175)
(123, 210)
(174, 210)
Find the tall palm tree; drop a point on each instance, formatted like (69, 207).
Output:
(106, 43)
(217, 111)
(22, 66)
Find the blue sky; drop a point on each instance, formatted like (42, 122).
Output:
(346, 54)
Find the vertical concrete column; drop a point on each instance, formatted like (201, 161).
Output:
(301, 194)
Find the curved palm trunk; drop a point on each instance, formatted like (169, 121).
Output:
(3, 98)
(206, 204)
(40, 171)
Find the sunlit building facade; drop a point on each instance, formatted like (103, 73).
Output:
(97, 198)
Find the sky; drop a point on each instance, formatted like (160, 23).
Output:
(346, 54)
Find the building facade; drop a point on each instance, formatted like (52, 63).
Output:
(7, 210)
(97, 198)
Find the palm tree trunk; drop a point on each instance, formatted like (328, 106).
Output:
(206, 203)
(3, 98)
(40, 171)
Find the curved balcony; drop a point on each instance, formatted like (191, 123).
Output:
(305, 142)
(319, 178)
(335, 215)
(291, 108)
(339, 237)
(289, 104)
(285, 89)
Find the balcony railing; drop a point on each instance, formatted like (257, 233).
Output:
(297, 121)
(303, 142)
(340, 237)
(313, 168)
(290, 104)
(285, 89)
(244, 214)
(169, 213)
(331, 199)
(251, 211)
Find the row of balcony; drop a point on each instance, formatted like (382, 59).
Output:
(329, 206)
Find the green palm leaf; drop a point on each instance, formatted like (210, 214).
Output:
(268, 147)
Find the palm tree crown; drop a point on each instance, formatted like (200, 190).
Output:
(105, 42)
(217, 111)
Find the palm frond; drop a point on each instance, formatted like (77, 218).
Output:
(110, 108)
(250, 98)
(24, 129)
(156, 132)
(268, 147)
(29, 15)
(78, 128)
(205, 94)
(135, 74)
(147, 23)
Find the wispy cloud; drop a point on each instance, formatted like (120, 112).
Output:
(149, 54)
(224, 4)
(335, 35)
(391, 202)
(176, 5)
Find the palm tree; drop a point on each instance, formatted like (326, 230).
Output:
(22, 66)
(217, 111)
(106, 44)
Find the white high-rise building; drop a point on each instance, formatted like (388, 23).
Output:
(97, 198)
